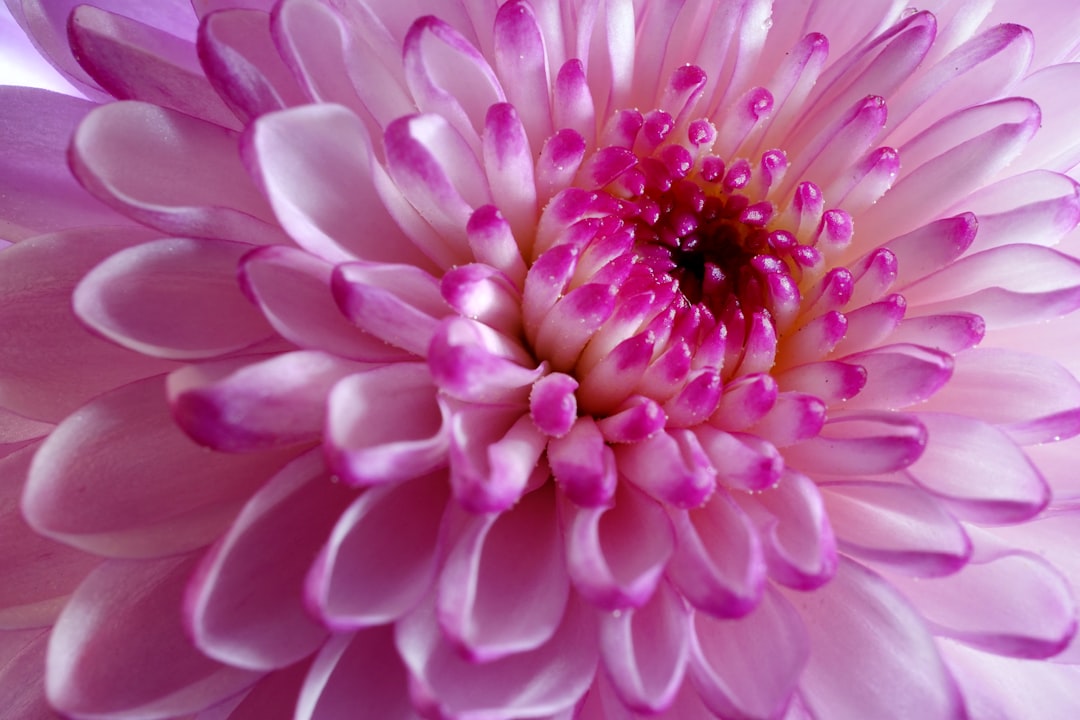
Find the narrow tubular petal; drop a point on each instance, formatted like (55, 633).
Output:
(384, 425)
(177, 496)
(645, 651)
(135, 61)
(861, 443)
(350, 666)
(962, 455)
(173, 298)
(750, 667)
(540, 682)
(898, 526)
(896, 672)
(1016, 604)
(242, 606)
(118, 650)
(616, 556)
(718, 565)
(170, 171)
(374, 568)
(492, 601)
(317, 166)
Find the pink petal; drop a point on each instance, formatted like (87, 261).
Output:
(492, 601)
(293, 290)
(385, 425)
(1008, 285)
(718, 563)
(274, 695)
(243, 64)
(645, 650)
(520, 54)
(961, 454)
(671, 466)
(616, 556)
(244, 604)
(135, 61)
(508, 162)
(318, 168)
(172, 172)
(1031, 397)
(900, 375)
(109, 449)
(540, 682)
(37, 192)
(375, 568)
(55, 365)
(861, 443)
(119, 650)
(1039, 207)
(495, 454)
(1056, 146)
(241, 405)
(21, 675)
(750, 667)
(172, 298)
(583, 465)
(1003, 687)
(797, 538)
(896, 525)
(870, 654)
(350, 667)
(39, 573)
(1014, 604)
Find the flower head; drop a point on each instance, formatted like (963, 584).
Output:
(531, 359)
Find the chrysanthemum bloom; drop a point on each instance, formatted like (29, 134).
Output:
(537, 359)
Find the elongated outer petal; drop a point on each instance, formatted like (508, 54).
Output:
(870, 653)
(1031, 397)
(896, 525)
(351, 666)
(750, 667)
(39, 573)
(37, 193)
(49, 363)
(243, 605)
(317, 166)
(869, 442)
(962, 456)
(275, 690)
(119, 651)
(718, 565)
(22, 655)
(239, 405)
(135, 61)
(494, 602)
(385, 425)
(177, 496)
(375, 568)
(616, 556)
(170, 171)
(645, 650)
(173, 298)
(544, 681)
(1014, 604)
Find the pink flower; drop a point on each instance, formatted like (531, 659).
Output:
(541, 359)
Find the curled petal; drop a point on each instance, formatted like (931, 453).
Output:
(671, 466)
(583, 465)
(464, 365)
(718, 563)
(494, 602)
(750, 667)
(616, 555)
(374, 568)
(385, 425)
(494, 452)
